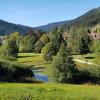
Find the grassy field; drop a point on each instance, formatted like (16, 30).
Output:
(46, 91)
(30, 58)
(35, 60)
(10, 91)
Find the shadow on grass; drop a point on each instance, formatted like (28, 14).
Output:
(24, 56)
(38, 68)
(27, 56)
(89, 57)
(26, 62)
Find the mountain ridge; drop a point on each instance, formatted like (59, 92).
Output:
(88, 19)
(91, 13)
(8, 28)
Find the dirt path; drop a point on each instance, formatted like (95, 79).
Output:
(85, 62)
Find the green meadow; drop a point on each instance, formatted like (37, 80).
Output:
(35, 60)
(46, 91)
(49, 91)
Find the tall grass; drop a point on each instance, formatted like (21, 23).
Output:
(12, 71)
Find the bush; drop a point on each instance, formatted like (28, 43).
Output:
(88, 74)
(9, 49)
(12, 71)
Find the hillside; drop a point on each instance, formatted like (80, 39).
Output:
(52, 25)
(7, 28)
(89, 19)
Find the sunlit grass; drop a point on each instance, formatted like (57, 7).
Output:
(48, 92)
(91, 57)
(30, 58)
(36, 60)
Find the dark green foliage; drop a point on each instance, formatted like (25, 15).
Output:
(83, 47)
(10, 71)
(56, 39)
(9, 49)
(8, 28)
(31, 43)
(38, 46)
(89, 19)
(41, 43)
(48, 52)
(51, 26)
(85, 42)
(27, 43)
(64, 68)
(89, 74)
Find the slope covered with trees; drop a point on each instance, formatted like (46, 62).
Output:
(89, 19)
(8, 28)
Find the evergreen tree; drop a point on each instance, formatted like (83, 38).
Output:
(41, 43)
(63, 66)
(56, 39)
(83, 47)
(85, 42)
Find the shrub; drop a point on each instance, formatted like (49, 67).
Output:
(12, 71)
(89, 74)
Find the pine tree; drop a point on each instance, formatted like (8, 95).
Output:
(63, 66)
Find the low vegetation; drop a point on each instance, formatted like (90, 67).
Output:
(48, 92)
(14, 72)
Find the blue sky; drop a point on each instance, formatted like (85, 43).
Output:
(40, 12)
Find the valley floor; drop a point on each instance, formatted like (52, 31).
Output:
(17, 91)
(46, 91)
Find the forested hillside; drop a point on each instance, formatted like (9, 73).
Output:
(8, 28)
(89, 19)
(52, 25)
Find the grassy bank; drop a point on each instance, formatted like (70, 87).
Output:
(48, 92)
(35, 60)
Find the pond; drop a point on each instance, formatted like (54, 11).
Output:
(41, 77)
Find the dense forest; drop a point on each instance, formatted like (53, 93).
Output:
(8, 28)
(89, 19)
